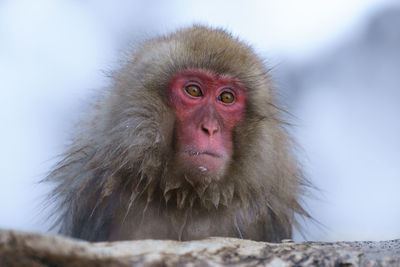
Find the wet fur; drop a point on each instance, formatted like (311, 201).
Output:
(119, 179)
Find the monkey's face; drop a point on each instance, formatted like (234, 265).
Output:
(207, 107)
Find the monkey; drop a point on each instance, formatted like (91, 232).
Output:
(187, 142)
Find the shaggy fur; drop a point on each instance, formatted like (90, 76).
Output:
(119, 178)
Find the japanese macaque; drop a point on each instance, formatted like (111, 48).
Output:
(186, 143)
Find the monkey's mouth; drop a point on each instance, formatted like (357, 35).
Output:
(197, 153)
(204, 161)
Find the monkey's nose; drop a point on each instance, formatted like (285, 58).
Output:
(210, 128)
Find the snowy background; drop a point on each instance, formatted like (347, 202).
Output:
(337, 64)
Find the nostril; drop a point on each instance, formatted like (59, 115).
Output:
(205, 130)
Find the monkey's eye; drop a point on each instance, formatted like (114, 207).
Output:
(226, 97)
(193, 90)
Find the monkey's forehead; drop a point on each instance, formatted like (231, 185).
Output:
(200, 47)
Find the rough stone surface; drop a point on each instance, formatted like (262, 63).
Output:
(27, 249)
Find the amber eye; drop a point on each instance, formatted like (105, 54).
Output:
(226, 97)
(193, 90)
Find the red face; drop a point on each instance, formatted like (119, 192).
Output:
(207, 107)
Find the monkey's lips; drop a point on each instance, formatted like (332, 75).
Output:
(204, 161)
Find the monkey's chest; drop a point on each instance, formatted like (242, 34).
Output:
(154, 223)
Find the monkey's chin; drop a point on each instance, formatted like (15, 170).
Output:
(204, 164)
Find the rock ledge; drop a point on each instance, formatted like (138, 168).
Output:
(28, 249)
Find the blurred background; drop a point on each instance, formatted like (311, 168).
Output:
(336, 65)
